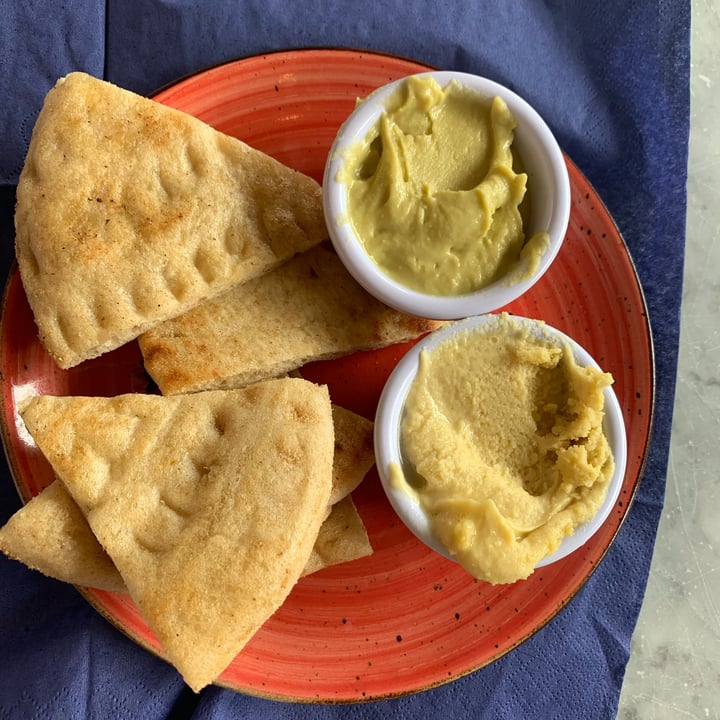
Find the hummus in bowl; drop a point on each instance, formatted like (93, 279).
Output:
(446, 195)
(501, 444)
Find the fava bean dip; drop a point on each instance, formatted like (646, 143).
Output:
(434, 192)
(503, 445)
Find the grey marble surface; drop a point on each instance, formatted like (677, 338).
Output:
(674, 668)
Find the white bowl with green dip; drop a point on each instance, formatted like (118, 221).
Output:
(500, 444)
(446, 195)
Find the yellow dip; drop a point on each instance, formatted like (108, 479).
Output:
(433, 191)
(503, 446)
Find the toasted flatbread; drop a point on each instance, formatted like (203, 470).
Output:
(208, 504)
(130, 212)
(310, 308)
(342, 538)
(354, 452)
(51, 535)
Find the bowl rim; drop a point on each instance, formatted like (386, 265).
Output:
(530, 126)
(387, 427)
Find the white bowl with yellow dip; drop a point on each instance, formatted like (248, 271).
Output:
(500, 443)
(446, 195)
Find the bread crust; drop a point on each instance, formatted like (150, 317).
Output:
(130, 212)
(208, 504)
(308, 309)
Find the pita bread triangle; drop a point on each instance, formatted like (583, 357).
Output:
(130, 212)
(208, 504)
(309, 308)
(51, 535)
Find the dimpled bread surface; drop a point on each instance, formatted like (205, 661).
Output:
(51, 535)
(308, 309)
(130, 212)
(208, 504)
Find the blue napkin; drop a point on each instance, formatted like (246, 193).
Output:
(611, 78)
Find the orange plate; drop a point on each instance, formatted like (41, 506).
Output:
(404, 619)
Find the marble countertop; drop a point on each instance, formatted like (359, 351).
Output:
(674, 668)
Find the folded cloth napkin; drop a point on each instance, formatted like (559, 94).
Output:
(612, 81)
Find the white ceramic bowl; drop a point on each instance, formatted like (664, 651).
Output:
(387, 435)
(548, 186)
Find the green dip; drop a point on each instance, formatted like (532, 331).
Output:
(433, 192)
